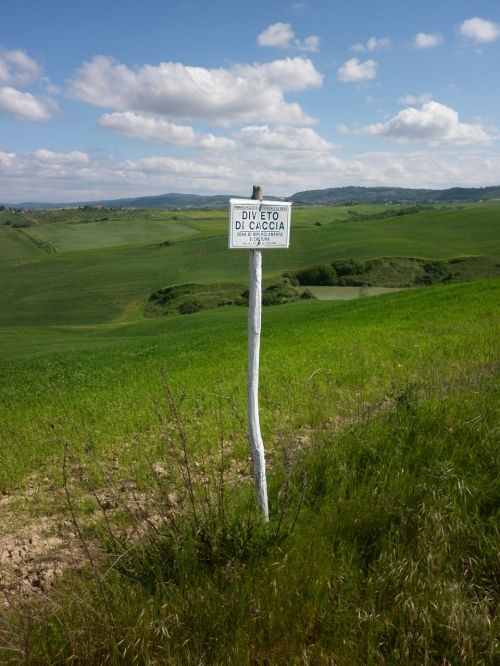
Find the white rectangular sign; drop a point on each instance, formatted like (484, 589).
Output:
(259, 224)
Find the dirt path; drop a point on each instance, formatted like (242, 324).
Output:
(33, 551)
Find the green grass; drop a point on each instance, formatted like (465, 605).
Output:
(110, 230)
(104, 380)
(388, 404)
(16, 248)
(394, 557)
(113, 283)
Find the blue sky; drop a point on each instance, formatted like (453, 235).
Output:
(125, 98)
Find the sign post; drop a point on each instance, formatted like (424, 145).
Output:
(255, 224)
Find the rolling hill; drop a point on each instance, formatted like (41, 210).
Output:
(330, 196)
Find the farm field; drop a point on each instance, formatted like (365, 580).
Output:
(380, 418)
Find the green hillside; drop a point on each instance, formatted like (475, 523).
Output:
(332, 195)
(123, 440)
(336, 195)
(103, 271)
(386, 408)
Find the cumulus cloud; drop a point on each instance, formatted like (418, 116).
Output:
(478, 30)
(17, 68)
(354, 70)
(283, 138)
(433, 123)
(278, 34)
(281, 35)
(75, 176)
(238, 94)
(175, 166)
(415, 99)
(49, 156)
(310, 43)
(424, 40)
(373, 44)
(24, 105)
(151, 128)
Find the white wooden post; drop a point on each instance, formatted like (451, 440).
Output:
(254, 326)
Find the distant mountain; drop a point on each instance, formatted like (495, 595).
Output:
(173, 200)
(351, 195)
(330, 196)
(164, 201)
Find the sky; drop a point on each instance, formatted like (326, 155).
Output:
(107, 99)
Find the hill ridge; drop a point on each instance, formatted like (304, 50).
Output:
(330, 196)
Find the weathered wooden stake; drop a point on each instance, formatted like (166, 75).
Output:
(254, 326)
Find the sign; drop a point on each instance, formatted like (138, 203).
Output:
(257, 225)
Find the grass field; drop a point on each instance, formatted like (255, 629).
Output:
(113, 281)
(382, 413)
(67, 314)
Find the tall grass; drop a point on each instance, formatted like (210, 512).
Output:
(392, 559)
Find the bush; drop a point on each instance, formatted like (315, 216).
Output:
(276, 294)
(351, 281)
(188, 307)
(242, 299)
(290, 277)
(349, 267)
(317, 275)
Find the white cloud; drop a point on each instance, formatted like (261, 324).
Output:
(17, 68)
(24, 105)
(278, 34)
(479, 30)
(175, 166)
(353, 70)
(425, 40)
(283, 138)
(285, 74)
(151, 128)
(373, 44)
(433, 124)
(281, 35)
(265, 157)
(310, 43)
(415, 99)
(49, 157)
(239, 94)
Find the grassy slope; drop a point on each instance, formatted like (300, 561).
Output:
(16, 248)
(394, 558)
(104, 380)
(103, 285)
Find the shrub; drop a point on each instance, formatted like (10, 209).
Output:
(317, 275)
(188, 307)
(276, 294)
(242, 299)
(290, 277)
(348, 267)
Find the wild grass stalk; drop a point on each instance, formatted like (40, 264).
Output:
(388, 555)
